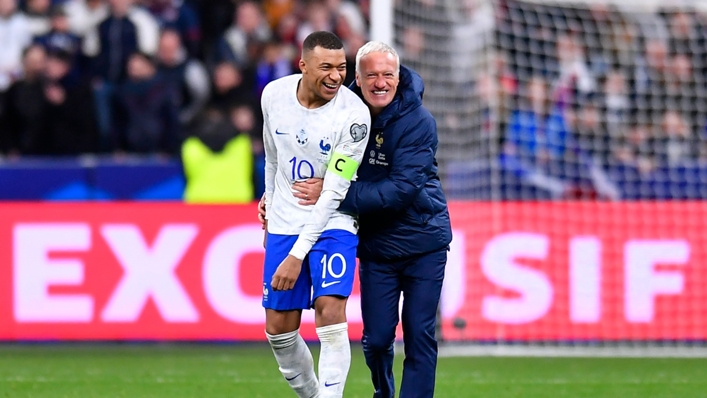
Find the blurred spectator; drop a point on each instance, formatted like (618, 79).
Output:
(85, 15)
(70, 121)
(24, 111)
(60, 38)
(215, 17)
(609, 39)
(616, 102)
(650, 75)
(636, 149)
(287, 30)
(318, 17)
(536, 140)
(229, 88)
(475, 19)
(37, 12)
(249, 30)
(286, 34)
(246, 120)
(272, 65)
(573, 71)
(14, 29)
(413, 43)
(126, 30)
(683, 90)
(351, 46)
(351, 15)
(275, 10)
(179, 16)
(189, 76)
(591, 135)
(147, 119)
(218, 162)
(650, 25)
(675, 143)
(684, 38)
(50, 111)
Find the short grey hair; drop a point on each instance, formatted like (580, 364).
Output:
(376, 47)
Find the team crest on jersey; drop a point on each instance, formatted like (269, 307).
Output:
(324, 150)
(325, 145)
(302, 138)
(358, 132)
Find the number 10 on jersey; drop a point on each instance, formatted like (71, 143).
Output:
(301, 169)
(327, 266)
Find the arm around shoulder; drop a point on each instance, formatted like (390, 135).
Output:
(412, 163)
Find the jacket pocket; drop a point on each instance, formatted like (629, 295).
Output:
(422, 207)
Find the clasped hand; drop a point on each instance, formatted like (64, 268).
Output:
(286, 274)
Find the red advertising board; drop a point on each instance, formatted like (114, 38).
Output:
(581, 271)
(516, 271)
(132, 271)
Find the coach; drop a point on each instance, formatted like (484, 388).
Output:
(404, 226)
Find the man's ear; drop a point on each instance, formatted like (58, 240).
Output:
(302, 65)
(358, 80)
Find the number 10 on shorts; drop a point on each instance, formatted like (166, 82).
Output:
(328, 268)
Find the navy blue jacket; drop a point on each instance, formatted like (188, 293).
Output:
(398, 196)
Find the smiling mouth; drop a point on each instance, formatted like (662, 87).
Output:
(380, 92)
(331, 86)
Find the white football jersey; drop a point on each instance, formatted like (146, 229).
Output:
(326, 142)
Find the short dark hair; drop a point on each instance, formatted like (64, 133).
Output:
(323, 39)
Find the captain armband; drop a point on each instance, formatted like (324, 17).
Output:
(343, 166)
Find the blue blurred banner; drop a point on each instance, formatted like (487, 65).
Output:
(108, 178)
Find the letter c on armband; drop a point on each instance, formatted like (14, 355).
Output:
(343, 166)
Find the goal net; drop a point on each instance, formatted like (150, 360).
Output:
(573, 150)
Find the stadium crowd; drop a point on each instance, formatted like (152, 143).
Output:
(591, 94)
(585, 100)
(140, 76)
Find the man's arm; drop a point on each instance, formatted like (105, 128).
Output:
(345, 159)
(411, 164)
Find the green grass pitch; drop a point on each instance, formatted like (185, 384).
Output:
(249, 371)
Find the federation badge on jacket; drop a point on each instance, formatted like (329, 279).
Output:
(358, 131)
(379, 140)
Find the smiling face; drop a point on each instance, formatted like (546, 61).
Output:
(378, 78)
(323, 73)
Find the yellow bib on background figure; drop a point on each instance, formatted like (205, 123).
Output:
(221, 177)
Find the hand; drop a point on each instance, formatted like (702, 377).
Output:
(286, 274)
(261, 213)
(308, 191)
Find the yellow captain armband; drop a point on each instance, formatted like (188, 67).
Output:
(343, 166)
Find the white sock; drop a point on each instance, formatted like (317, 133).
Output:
(296, 363)
(334, 360)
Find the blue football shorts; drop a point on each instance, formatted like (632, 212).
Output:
(328, 270)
